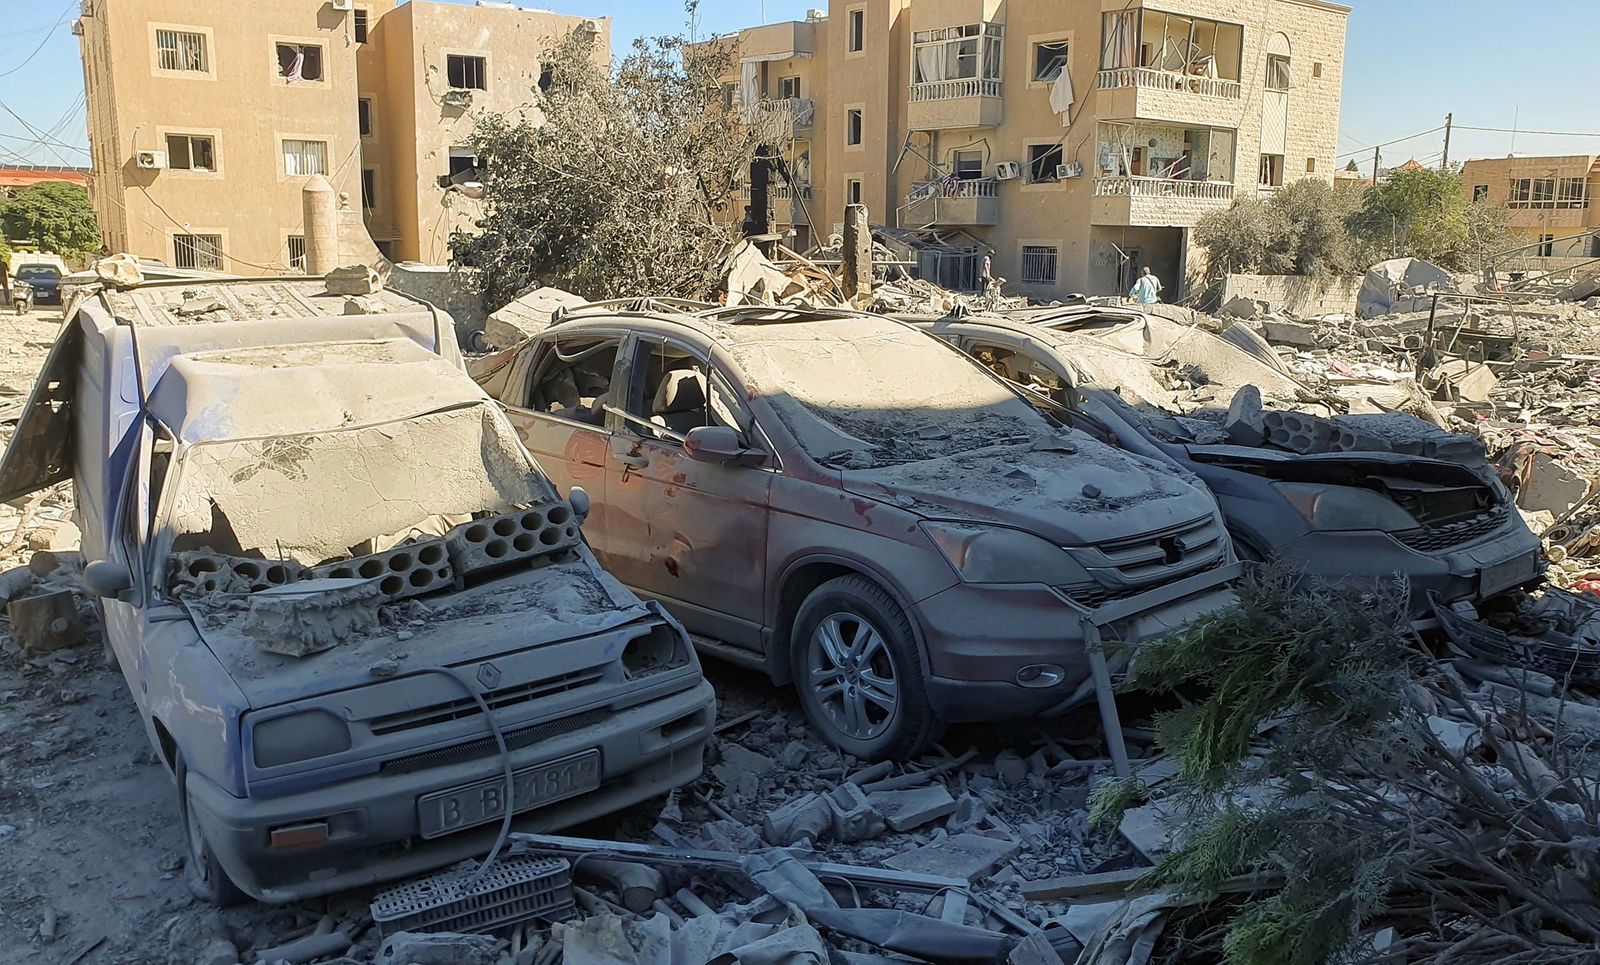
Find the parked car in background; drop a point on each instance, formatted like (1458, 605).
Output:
(45, 280)
(856, 508)
(359, 624)
(1369, 510)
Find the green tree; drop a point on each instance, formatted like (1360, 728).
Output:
(1300, 230)
(55, 215)
(1427, 214)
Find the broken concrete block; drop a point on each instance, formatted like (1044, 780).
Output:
(1245, 424)
(794, 755)
(529, 314)
(1582, 289)
(1011, 768)
(1241, 307)
(851, 816)
(1548, 485)
(1466, 381)
(311, 616)
(199, 306)
(439, 948)
(119, 270)
(905, 810)
(46, 622)
(969, 856)
(1289, 333)
(968, 814)
(738, 761)
(352, 280)
(725, 835)
(804, 817)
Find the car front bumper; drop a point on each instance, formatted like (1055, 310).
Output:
(374, 823)
(979, 637)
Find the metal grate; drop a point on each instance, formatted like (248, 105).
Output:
(505, 697)
(181, 50)
(1039, 264)
(203, 252)
(518, 888)
(1432, 538)
(484, 746)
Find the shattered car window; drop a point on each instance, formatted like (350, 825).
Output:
(325, 496)
(860, 393)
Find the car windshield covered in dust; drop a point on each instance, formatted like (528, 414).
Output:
(361, 626)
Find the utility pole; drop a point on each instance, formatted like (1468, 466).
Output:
(1449, 121)
(1374, 167)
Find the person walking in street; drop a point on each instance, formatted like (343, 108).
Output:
(1147, 290)
(986, 275)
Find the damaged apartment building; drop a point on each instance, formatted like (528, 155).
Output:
(1081, 141)
(206, 121)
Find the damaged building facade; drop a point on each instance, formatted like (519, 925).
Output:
(1081, 143)
(1550, 218)
(205, 122)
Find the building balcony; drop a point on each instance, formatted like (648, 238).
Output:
(1139, 93)
(953, 203)
(1163, 202)
(955, 104)
(781, 191)
(800, 112)
(789, 204)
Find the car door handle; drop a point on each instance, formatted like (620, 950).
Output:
(634, 462)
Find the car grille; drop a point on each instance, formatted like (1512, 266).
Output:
(1095, 597)
(496, 699)
(1157, 557)
(1430, 539)
(484, 746)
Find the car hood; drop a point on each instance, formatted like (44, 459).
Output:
(530, 608)
(1071, 490)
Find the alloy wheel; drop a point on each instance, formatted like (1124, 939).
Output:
(853, 676)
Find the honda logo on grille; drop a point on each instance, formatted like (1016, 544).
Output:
(488, 675)
(1173, 549)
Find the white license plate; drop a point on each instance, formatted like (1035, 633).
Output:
(1504, 576)
(463, 807)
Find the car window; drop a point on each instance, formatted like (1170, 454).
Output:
(1024, 369)
(572, 379)
(678, 390)
(29, 272)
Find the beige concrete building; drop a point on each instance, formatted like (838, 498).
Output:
(953, 117)
(206, 120)
(1549, 201)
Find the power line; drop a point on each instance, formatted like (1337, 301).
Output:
(1401, 140)
(47, 35)
(1508, 130)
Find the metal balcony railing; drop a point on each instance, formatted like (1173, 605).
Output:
(943, 90)
(1137, 187)
(1149, 79)
(779, 192)
(801, 111)
(954, 188)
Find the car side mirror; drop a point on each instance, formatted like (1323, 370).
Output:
(721, 445)
(578, 499)
(106, 579)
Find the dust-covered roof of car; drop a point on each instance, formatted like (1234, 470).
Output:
(296, 389)
(200, 302)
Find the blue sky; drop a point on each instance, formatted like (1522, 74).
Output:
(1409, 63)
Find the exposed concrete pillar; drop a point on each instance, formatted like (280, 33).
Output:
(320, 208)
(857, 266)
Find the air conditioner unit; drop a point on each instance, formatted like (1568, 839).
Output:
(343, 4)
(150, 160)
(1008, 170)
(1070, 170)
(458, 97)
(589, 27)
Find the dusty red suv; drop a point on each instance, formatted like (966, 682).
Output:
(854, 506)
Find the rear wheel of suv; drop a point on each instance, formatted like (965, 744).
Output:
(858, 672)
(202, 871)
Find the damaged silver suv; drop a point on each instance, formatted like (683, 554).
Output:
(849, 505)
(361, 627)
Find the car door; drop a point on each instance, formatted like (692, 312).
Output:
(690, 534)
(555, 396)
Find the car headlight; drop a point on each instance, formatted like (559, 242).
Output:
(993, 554)
(1345, 508)
(298, 737)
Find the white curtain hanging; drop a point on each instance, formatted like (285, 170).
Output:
(1061, 96)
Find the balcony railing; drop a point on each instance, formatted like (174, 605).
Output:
(1169, 80)
(954, 188)
(801, 111)
(1136, 187)
(779, 192)
(943, 90)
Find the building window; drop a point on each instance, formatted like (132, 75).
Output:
(1272, 170)
(1480, 192)
(203, 252)
(305, 158)
(1049, 60)
(1564, 193)
(789, 88)
(1280, 73)
(957, 53)
(858, 30)
(969, 165)
(730, 96)
(467, 73)
(369, 189)
(190, 152)
(1547, 246)
(181, 50)
(1311, 165)
(852, 191)
(1171, 43)
(1316, 68)
(300, 61)
(465, 166)
(297, 253)
(358, 25)
(364, 116)
(852, 126)
(1039, 264)
(1043, 159)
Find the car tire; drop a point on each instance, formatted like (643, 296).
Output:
(859, 673)
(202, 872)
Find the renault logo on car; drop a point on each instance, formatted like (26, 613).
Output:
(488, 675)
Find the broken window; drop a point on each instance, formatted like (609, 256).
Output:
(1043, 159)
(1480, 192)
(1049, 60)
(1547, 246)
(358, 25)
(300, 62)
(304, 158)
(1280, 73)
(1565, 193)
(969, 165)
(858, 30)
(181, 50)
(1039, 264)
(466, 72)
(1272, 170)
(1021, 369)
(364, 116)
(852, 126)
(369, 189)
(956, 53)
(190, 152)
(852, 191)
(573, 379)
(677, 391)
(202, 252)
(297, 253)
(1188, 47)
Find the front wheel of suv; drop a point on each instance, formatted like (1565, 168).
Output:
(202, 871)
(858, 672)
